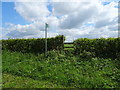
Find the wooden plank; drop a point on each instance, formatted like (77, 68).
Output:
(68, 47)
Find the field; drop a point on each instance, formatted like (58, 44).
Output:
(68, 47)
(58, 70)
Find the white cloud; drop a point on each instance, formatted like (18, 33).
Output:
(104, 22)
(19, 31)
(32, 11)
(76, 19)
(69, 19)
(65, 8)
(33, 30)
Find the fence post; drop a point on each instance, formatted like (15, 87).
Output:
(46, 26)
(63, 42)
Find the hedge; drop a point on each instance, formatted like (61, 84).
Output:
(105, 48)
(33, 45)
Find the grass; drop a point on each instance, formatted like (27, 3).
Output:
(59, 70)
(71, 49)
(13, 81)
(68, 45)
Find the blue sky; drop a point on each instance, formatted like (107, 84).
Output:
(105, 3)
(9, 14)
(22, 20)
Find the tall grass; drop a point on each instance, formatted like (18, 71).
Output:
(63, 69)
(14, 81)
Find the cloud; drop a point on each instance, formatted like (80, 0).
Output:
(71, 19)
(20, 31)
(32, 11)
(65, 8)
(33, 30)
(78, 18)
(103, 32)
(107, 15)
(104, 22)
(74, 15)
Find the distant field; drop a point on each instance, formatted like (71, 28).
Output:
(68, 45)
(71, 49)
(58, 70)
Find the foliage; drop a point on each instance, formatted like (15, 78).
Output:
(87, 69)
(13, 81)
(87, 55)
(105, 48)
(63, 70)
(33, 45)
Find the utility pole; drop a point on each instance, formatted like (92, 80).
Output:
(46, 27)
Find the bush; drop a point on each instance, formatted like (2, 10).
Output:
(33, 45)
(87, 55)
(105, 48)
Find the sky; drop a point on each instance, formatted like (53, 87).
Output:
(78, 19)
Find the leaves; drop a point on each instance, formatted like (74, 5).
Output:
(62, 69)
(33, 45)
(104, 48)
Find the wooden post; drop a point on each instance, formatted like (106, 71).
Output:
(46, 26)
(63, 42)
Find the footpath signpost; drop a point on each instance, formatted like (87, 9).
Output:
(46, 27)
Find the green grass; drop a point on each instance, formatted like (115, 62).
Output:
(68, 45)
(13, 81)
(60, 70)
(69, 49)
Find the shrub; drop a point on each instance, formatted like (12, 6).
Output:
(105, 48)
(87, 55)
(33, 45)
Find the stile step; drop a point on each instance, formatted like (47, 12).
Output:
(68, 47)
